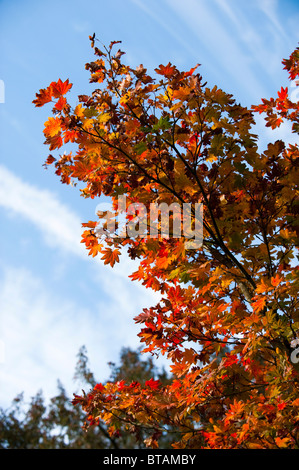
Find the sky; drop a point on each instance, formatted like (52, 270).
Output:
(54, 298)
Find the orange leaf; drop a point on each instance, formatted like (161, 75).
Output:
(262, 288)
(54, 142)
(110, 256)
(60, 103)
(89, 224)
(52, 126)
(60, 88)
(166, 70)
(259, 304)
(188, 74)
(44, 96)
(275, 281)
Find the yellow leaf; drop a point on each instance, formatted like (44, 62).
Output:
(52, 126)
(283, 443)
(79, 111)
(212, 158)
(103, 118)
(88, 123)
(217, 429)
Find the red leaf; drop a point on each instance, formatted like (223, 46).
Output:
(60, 103)
(153, 384)
(99, 387)
(60, 88)
(166, 70)
(44, 96)
(283, 93)
(50, 160)
(188, 74)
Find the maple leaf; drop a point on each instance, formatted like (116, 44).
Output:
(60, 88)
(110, 256)
(281, 405)
(143, 317)
(166, 70)
(191, 71)
(95, 249)
(283, 93)
(275, 281)
(44, 96)
(230, 360)
(263, 287)
(90, 224)
(91, 242)
(282, 442)
(259, 304)
(99, 387)
(178, 369)
(153, 384)
(55, 141)
(52, 126)
(50, 160)
(60, 103)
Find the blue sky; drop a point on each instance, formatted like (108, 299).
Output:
(53, 297)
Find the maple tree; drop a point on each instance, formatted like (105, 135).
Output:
(228, 316)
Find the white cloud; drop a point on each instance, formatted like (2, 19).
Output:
(41, 329)
(41, 335)
(59, 225)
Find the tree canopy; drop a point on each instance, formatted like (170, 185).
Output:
(57, 424)
(228, 316)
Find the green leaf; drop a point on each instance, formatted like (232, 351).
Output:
(241, 167)
(162, 124)
(90, 112)
(140, 148)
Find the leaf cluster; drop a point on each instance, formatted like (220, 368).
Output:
(228, 313)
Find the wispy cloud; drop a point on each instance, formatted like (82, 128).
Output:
(41, 329)
(41, 334)
(221, 42)
(269, 8)
(59, 225)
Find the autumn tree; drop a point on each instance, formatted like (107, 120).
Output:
(58, 424)
(228, 316)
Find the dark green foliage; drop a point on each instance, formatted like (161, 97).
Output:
(58, 425)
